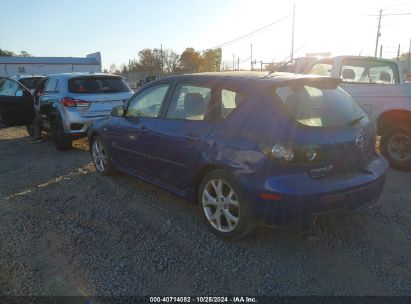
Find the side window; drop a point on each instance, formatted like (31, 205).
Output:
(41, 87)
(9, 87)
(369, 71)
(230, 101)
(148, 103)
(52, 85)
(323, 69)
(190, 102)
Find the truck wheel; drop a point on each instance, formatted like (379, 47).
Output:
(61, 141)
(396, 147)
(30, 130)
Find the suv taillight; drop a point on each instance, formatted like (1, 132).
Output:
(71, 102)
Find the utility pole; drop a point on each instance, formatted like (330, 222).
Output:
(381, 51)
(161, 55)
(378, 34)
(292, 35)
(251, 56)
(398, 53)
(233, 62)
(408, 61)
(238, 63)
(261, 65)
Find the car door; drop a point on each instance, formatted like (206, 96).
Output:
(48, 96)
(180, 135)
(16, 103)
(130, 136)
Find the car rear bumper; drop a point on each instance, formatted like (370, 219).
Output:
(76, 125)
(299, 199)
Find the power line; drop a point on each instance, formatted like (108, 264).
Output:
(399, 14)
(250, 34)
(398, 4)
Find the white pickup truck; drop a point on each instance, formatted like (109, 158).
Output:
(377, 85)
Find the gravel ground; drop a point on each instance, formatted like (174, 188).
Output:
(67, 231)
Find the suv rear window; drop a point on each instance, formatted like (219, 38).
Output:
(316, 106)
(97, 84)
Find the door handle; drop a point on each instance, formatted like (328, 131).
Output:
(191, 137)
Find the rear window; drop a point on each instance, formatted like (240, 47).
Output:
(369, 71)
(93, 85)
(321, 107)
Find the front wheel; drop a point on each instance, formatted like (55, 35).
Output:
(396, 147)
(225, 209)
(100, 156)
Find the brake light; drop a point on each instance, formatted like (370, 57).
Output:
(292, 153)
(71, 102)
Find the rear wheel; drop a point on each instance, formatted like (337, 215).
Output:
(396, 147)
(225, 209)
(30, 130)
(100, 156)
(61, 141)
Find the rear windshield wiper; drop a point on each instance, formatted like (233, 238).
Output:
(355, 121)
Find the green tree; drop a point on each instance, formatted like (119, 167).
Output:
(211, 60)
(6, 53)
(190, 61)
(25, 54)
(171, 61)
(150, 60)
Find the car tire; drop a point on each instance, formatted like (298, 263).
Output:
(100, 156)
(30, 130)
(61, 141)
(225, 209)
(395, 146)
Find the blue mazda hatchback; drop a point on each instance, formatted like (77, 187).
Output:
(249, 148)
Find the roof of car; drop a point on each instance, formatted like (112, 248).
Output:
(27, 76)
(71, 75)
(246, 75)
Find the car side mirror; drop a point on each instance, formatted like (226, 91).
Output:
(117, 111)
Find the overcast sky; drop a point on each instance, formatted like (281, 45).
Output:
(119, 29)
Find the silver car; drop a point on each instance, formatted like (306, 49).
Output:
(68, 103)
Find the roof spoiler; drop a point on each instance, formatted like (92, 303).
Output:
(316, 81)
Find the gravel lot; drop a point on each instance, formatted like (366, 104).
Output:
(67, 231)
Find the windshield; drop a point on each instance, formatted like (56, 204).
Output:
(97, 84)
(321, 107)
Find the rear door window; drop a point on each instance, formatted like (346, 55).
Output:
(52, 85)
(230, 100)
(321, 107)
(190, 102)
(97, 84)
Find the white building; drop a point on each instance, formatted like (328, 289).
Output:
(11, 66)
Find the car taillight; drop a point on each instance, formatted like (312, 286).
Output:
(292, 153)
(71, 102)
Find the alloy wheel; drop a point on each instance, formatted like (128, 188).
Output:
(99, 155)
(221, 206)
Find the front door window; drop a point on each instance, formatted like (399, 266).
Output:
(148, 103)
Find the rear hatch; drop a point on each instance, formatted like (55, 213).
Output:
(328, 123)
(96, 95)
